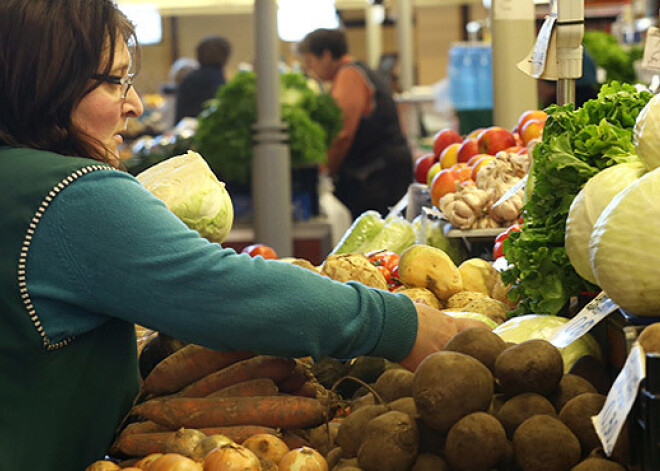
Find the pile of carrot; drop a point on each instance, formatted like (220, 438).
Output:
(236, 394)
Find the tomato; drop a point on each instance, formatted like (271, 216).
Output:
(497, 250)
(384, 258)
(262, 250)
(499, 240)
(386, 273)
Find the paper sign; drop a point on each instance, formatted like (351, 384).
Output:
(511, 191)
(620, 399)
(540, 54)
(589, 316)
(651, 58)
(433, 212)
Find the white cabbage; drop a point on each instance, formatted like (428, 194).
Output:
(625, 247)
(646, 134)
(587, 206)
(538, 326)
(190, 190)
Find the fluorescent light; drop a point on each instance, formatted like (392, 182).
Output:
(147, 21)
(296, 18)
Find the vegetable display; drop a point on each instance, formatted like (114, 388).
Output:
(225, 132)
(576, 145)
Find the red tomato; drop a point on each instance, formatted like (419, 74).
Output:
(384, 258)
(497, 250)
(260, 249)
(386, 273)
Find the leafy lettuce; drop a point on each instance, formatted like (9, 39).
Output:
(576, 145)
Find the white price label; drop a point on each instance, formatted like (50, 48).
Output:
(590, 315)
(540, 53)
(620, 399)
(651, 58)
(511, 191)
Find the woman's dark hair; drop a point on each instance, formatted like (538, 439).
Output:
(320, 40)
(213, 50)
(49, 50)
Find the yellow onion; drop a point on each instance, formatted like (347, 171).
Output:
(174, 462)
(102, 465)
(184, 441)
(267, 447)
(209, 443)
(305, 458)
(147, 460)
(231, 457)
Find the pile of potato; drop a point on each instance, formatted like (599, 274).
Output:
(479, 405)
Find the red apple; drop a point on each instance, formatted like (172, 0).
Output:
(532, 129)
(422, 166)
(530, 114)
(495, 139)
(444, 138)
(468, 148)
(444, 182)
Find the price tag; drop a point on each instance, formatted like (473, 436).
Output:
(511, 191)
(540, 52)
(589, 316)
(651, 58)
(432, 212)
(620, 399)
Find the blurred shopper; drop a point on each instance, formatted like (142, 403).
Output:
(202, 84)
(179, 70)
(369, 160)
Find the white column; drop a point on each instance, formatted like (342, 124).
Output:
(271, 167)
(374, 29)
(405, 41)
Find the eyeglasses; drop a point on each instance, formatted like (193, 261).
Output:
(126, 82)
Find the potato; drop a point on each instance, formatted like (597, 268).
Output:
(421, 295)
(577, 413)
(394, 383)
(478, 275)
(481, 344)
(449, 385)
(570, 386)
(520, 408)
(353, 267)
(405, 405)
(350, 433)
(423, 266)
(477, 442)
(531, 366)
(544, 443)
(390, 443)
(429, 462)
(598, 464)
(463, 298)
(649, 339)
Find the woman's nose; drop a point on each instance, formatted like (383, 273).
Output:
(132, 104)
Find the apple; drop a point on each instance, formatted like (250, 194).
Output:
(513, 149)
(481, 163)
(433, 171)
(444, 138)
(422, 166)
(449, 156)
(444, 182)
(475, 158)
(530, 114)
(532, 129)
(468, 148)
(464, 173)
(494, 139)
(475, 133)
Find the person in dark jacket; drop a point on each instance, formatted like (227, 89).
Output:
(202, 84)
(369, 160)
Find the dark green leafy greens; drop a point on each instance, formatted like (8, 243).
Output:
(576, 145)
(225, 133)
(608, 54)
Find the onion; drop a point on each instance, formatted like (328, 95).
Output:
(209, 443)
(132, 468)
(147, 460)
(231, 457)
(267, 447)
(174, 462)
(184, 441)
(304, 458)
(102, 465)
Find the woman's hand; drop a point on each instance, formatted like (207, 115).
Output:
(434, 329)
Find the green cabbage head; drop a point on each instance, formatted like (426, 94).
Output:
(538, 326)
(586, 208)
(189, 188)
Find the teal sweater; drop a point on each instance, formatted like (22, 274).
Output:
(107, 248)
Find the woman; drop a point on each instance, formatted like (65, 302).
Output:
(369, 160)
(87, 252)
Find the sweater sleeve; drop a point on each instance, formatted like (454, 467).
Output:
(107, 247)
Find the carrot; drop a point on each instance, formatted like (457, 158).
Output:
(188, 365)
(140, 444)
(261, 366)
(239, 433)
(143, 427)
(253, 387)
(269, 411)
(293, 440)
(308, 389)
(301, 373)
